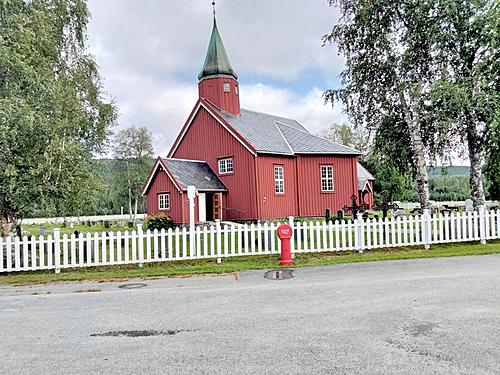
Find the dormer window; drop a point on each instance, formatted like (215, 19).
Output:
(227, 87)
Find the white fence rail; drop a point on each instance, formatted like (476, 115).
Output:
(78, 219)
(56, 252)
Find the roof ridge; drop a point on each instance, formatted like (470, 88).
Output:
(269, 114)
(317, 136)
(284, 138)
(190, 160)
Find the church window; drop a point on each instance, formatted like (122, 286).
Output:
(279, 180)
(327, 178)
(226, 165)
(164, 201)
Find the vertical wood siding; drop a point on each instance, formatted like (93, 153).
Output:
(207, 140)
(213, 90)
(162, 184)
(274, 205)
(314, 202)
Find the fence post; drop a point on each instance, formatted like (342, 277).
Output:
(219, 240)
(360, 224)
(140, 240)
(292, 241)
(57, 250)
(191, 192)
(482, 224)
(427, 229)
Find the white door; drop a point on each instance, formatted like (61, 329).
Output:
(202, 207)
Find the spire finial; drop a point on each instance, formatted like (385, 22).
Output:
(213, 6)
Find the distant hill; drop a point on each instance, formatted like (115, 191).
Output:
(449, 171)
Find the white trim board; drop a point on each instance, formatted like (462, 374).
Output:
(190, 121)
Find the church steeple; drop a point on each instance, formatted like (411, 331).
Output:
(217, 79)
(216, 60)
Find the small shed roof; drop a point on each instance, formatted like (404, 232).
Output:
(194, 172)
(363, 176)
(183, 172)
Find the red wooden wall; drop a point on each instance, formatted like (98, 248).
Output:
(303, 195)
(207, 140)
(312, 201)
(368, 196)
(162, 184)
(213, 90)
(272, 205)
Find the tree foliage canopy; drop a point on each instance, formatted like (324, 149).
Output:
(387, 46)
(53, 117)
(424, 75)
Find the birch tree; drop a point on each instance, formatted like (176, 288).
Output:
(133, 148)
(387, 46)
(53, 115)
(466, 96)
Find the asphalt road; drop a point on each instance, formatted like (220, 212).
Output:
(430, 316)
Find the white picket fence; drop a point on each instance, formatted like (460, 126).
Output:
(56, 252)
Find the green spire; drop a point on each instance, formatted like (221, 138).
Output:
(216, 61)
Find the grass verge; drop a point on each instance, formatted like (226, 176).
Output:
(187, 268)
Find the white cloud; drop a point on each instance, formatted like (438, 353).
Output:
(308, 109)
(150, 54)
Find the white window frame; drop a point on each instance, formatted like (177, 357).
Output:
(164, 201)
(227, 87)
(279, 179)
(326, 174)
(226, 166)
(236, 89)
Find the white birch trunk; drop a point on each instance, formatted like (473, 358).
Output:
(476, 156)
(412, 119)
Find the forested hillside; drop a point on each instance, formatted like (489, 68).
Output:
(462, 171)
(106, 194)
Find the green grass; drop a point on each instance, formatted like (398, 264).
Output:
(229, 265)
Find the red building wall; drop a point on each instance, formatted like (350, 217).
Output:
(271, 204)
(303, 195)
(207, 140)
(213, 90)
(162, 184)
(368, 196)
(312, 201)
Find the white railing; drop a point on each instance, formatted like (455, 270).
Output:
(56, 252)
(79, 219)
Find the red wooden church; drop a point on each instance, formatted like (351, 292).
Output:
(248, 165)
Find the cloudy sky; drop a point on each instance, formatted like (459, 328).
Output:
(151, 51)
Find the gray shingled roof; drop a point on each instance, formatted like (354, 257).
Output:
(303, 142)
(280, 135)
(363, 175)
(197, 173)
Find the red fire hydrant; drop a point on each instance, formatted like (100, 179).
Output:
(285, 232)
